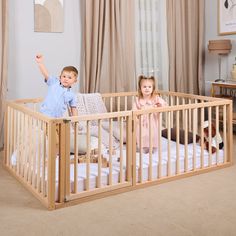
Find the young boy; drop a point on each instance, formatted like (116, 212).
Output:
(59, 97)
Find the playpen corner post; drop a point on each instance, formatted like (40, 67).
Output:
(64, 161)
(51, 169)
(230, 132)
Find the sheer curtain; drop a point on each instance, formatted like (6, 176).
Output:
(151, 40)
(3, 62)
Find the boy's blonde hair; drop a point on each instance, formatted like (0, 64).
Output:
(140, 79)
(71, 69)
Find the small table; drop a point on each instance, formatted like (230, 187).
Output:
(227, 85)
(224, 87)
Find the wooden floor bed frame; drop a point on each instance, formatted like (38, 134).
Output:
(38, 149)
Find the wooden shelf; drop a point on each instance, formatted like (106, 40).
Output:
(231, 85)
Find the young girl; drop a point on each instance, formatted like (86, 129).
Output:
(147, 99)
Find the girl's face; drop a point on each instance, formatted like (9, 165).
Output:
(67, 79)
(146, 87)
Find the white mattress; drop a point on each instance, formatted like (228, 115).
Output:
(116, 165)
(155, 158)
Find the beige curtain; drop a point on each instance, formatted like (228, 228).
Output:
(185, 30)
(108, 46)
(3, 62)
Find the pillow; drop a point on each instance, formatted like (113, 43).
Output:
(94, 104)
(116, 129)
(80, 104)
(82, 143)
(181, 135)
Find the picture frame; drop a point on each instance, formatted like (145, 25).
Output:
(49, 16)
(226, 17)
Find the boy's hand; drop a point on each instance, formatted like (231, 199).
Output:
(39, 58)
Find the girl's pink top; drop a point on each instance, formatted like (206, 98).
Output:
(141, 104)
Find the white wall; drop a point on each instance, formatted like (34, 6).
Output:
(59, 49)
(211, 60)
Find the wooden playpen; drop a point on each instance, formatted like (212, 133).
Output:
(45, 155)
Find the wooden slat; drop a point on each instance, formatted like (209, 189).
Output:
(87, 181)
(177, 142)
(210, 135)
(185, 118)
(224, 133)
(121, 126)
(169, 146)
(51, 167)
(110, 151)
(159, 166)
(150, 146)
(99, 179)
(140, 149)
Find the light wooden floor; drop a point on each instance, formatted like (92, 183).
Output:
(200, 205)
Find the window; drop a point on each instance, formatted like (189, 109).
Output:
(151, 41)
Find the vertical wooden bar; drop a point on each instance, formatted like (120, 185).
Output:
(30, 151)
(177, 142)
(45, 155)
(87, 182)
(224, 133)
(129, 153)
(121, 149)
(210, 135)
(185, 140)
(22, 149)
(111, 104)
(64, 161)
(118, 104)
(15, 135)
(39, 153)
(159, 166)
(140, 177)
(6, 124)
(171, 114)
(126, 103)
(99, 153)
(169, 149)
(51, 168)
(202, 138)
(150, 146)
(135, 119)
(18, 142)
(110, 149)
(229, 136)
(190, 116)
(217, 132)
(26, 147)
(8, 137)
(183, 113)
(194, 137)
(34, 154)
(75, 157)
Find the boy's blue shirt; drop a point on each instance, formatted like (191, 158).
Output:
(57, 99)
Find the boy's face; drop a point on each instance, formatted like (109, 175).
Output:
(68, 78)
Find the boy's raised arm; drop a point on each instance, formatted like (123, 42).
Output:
(42, 68)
